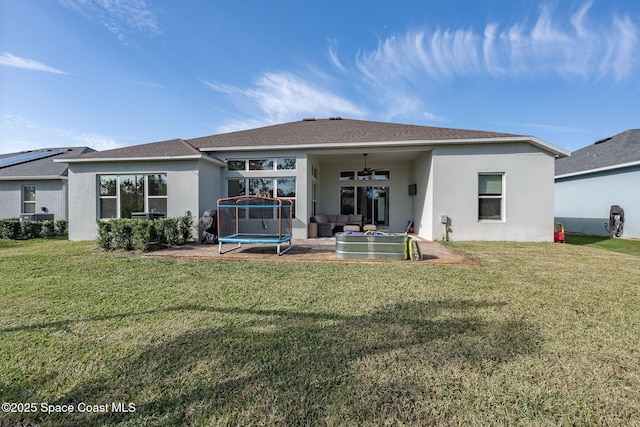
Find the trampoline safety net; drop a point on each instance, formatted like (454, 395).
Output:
(255, 217)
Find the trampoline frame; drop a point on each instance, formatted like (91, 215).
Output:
(238, 202)
(255, 238)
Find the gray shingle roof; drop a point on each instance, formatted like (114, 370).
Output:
(44, 167)
(340, 131)
(170, 148)
(307, 133)
(609, 152)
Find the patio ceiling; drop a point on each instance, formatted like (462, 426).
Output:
(374, 157)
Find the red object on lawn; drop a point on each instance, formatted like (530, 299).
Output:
(558, 232)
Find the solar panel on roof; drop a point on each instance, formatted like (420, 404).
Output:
(29, 156)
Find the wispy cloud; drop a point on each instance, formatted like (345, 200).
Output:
(120, 17)
(28, 64)
(18, 133)
(152, 85)
(333, 55)
(281, 97)
(572, 47)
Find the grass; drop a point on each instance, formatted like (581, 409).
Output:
(626, 246)
(535, 334)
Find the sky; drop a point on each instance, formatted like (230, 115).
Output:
(114, 73)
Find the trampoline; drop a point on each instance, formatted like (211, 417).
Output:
(255, 220)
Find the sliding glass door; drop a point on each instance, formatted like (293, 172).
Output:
(371, 202)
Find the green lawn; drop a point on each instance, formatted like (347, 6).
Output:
(534, 334)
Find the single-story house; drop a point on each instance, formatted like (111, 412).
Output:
(596, 177)
(451, 183)
(32, 184)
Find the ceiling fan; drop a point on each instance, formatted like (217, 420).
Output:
(367, 171)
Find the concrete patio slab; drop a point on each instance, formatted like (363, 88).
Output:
(306, 250)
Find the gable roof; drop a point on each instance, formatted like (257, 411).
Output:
(617, 151)
(42, 164)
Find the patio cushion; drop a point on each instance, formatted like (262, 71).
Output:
(332, 218)
(320, 219)
(355, 219)
(342, 219)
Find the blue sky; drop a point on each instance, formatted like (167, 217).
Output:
(112, 73)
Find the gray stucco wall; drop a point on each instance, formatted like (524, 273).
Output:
(528, 196)
(582, 202)
(183, 181)
(49, 193)
(423, 200)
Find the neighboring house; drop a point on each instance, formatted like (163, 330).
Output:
(596, 177)
(482, 185)
(32, 183)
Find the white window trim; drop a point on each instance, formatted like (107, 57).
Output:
(502, 197)
(25, 202)
(117, 197)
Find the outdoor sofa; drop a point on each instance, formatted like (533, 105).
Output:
(329, 224)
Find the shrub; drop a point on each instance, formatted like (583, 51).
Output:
(184, 228)
(48, 229)
(121, 230)
(15, 229)
(170, 229)
(144, 234)
(10, 228)
(62, 227)
(105, 237)
(161, 236)
(31, 229)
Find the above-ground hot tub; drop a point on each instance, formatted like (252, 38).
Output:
(373, 246)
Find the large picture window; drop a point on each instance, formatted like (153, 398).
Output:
(120, 195)
(490, 196)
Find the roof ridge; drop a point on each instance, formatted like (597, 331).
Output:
(189, 146)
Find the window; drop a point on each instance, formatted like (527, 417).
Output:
(280, 163)
(28, 199)
(286, 164)
(236, 187)
(490, 191)
(314, 198)
(157, 193)
(236, 165)
(283, 188)
(120, 195)
(347, 176)
(263, 186)
(373, 175)
(347, 200)
(108, 196)
(261, 165)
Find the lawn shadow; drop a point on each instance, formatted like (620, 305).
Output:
(279, 367)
